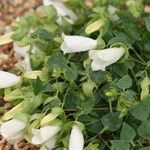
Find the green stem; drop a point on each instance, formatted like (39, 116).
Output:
(110, 107)
(138, 56)
(137, 61)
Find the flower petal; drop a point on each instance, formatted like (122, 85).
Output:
(65, 49)
(112, 54)
(50, 144)
(112, 10)
(8, 79)
(76, 141)
(12, 128)
(98, 65)
(43, 134)
(106, 57)
(74, 44)
(25, 64)
(20, 51)
(61, 9)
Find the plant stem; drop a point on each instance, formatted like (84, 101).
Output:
(110, 107)
(139, 56)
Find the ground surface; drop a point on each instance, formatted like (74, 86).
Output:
(9, 10)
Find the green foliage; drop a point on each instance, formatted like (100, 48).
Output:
(120, 145)
(112, 121)
(124, 83)
(143, 129)
(127, 133)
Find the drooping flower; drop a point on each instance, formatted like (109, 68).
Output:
(61, 9)
(103, 58)
(12, 130)
(22, 52)
(112, 10)
(44, 134)
(73, 44)
(76, 141)
(8, 79)
(50, 144)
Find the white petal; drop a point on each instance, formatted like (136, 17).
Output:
(15, 143)
(8, 79)
(12, 128)
(98, 65)
(43, 134)
(65, 49)
(74, 44)
(18, 135)
(76, 141)
(106, 57)
(25, 64)
(21, 51)
(61, 9)
(112, 10)
(111, 54)
(50, 144)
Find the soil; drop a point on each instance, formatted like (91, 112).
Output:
(9, 10)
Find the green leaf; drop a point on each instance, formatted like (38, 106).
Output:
(54, 101)
(125, 82)
(120, 69)
(145, 84)
(97, 76)
(135, 7)
(87, 107)
(56, 111)
(27, 106)
(37, 86)
(92, 146)
(70, 74)
(42, 34)
(48, 87)
(14, 95)
(127, 133)
(94, 26)
(88, 87)
(142, 110)
(147, 23)
(57, 59)
(112, 121)
(22, 116)
(145, 148)
(120, 145)
(143, 129)
(95, 127)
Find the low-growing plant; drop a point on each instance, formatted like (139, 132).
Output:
(85, 76)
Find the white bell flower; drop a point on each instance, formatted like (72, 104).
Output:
(112, 10)
(8, 79)
(44, 134)
(76, 141)
(61, 9)
(73, 44)
(13, 129)
(22, 52)
(103, 58)
(50, 144)
(25, 64)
